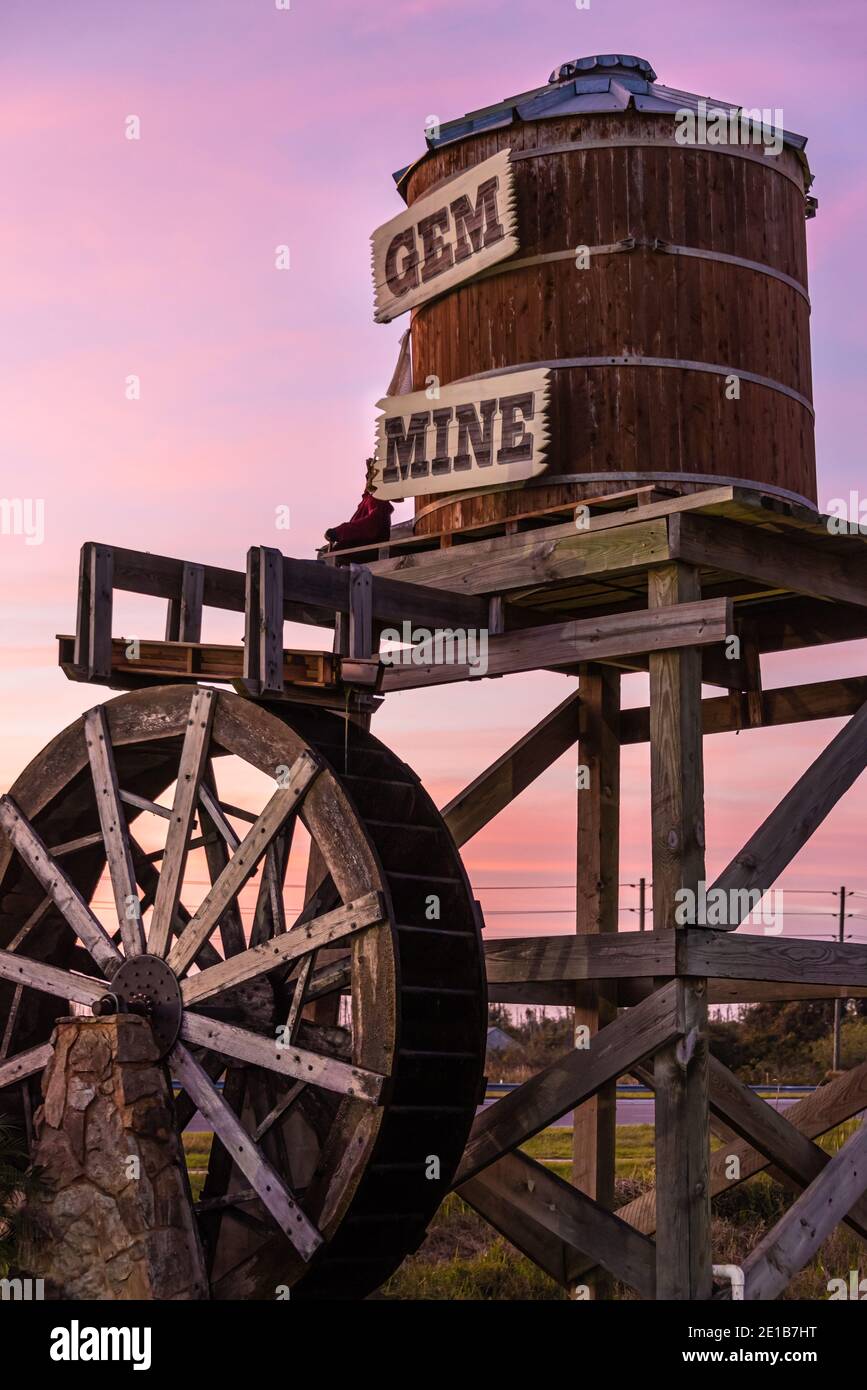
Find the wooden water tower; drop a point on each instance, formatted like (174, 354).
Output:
(693, 271)
(664, 385)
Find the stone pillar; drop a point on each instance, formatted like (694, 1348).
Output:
(116, 1218)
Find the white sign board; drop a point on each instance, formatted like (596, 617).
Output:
(446, 236)
(470, 435)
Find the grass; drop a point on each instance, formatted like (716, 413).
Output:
(463, 1258)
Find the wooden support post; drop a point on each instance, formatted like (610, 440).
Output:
(184, 614)
(93, 618)
(683, 1252)
(360, 611)
(594, 1132)
(263, 627)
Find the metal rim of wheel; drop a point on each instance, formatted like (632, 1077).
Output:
(351, 1134)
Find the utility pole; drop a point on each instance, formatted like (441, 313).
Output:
(642, 886)
(838, 1003)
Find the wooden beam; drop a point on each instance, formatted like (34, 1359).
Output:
(688, 624)
(536, 557)
(63, 984)
(294, 1061)
(184, 613)
(791, 704)
(777, 958)
(360, 638)
(515, 960)
(597, 873)
(323, 590)
(558, 1227)
(115, 834)
(267, 1183)
(683, 1252)
(489, 793)
(25, 1064)
(567, 1082)
(790, 825)
(344, 921)
(194, 755)
(793, 1242)
(827, 571)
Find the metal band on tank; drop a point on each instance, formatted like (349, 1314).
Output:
(665, 248)
(561, 363)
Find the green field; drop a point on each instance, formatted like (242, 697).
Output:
(463, 1258)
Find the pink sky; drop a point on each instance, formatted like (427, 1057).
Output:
(262, 127)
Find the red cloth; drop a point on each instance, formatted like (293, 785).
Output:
(369, 522)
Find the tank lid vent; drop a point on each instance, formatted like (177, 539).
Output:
(605, 63)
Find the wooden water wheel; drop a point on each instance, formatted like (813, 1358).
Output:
(336, 1051)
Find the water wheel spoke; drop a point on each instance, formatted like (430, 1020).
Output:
(244, 1046)
(50, 979)
(265, 1181)
(219, 839)
(364, 912)
(192, 764)
(299, 996)
(25, 1064)
(60, 889)
(280, 1110)
(115, 834)
(330, 979)
(243, 862)
(185, 1106)
(269, 918)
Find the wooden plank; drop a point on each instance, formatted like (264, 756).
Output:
(243, 863)
(793, 1242)
(536, 558)
(792, 704)
(597, 874)
(35, 974)
(194, 756)
(474, 433)
(61, 890)
(756, 1121)
(628, 955)
(259, 960)
(266, 1182)
(568, 644)
(683, 1251)
(489, 793)
(565, 1083)
(560, 1228)
(790, 825)
(294, 1061)
(25, 1064)
(834, 572)
(115, 835)
(743, 956)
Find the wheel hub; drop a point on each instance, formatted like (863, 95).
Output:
(146, 985)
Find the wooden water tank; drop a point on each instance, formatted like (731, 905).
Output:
(697, 272)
